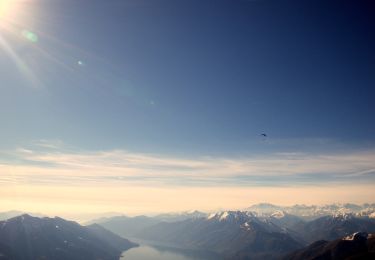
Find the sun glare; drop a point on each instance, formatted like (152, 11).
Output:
(16, 26)
(15, 14)
(8, 8)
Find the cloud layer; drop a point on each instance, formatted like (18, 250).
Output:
(50, 178)
(51, 163)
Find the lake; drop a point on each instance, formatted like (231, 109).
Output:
(146, 252)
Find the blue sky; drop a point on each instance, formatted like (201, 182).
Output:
(189, 80)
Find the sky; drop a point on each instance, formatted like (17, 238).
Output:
(146, 106)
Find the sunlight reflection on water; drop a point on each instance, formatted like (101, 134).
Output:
(145, 252)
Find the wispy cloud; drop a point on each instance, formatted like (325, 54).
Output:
(48, 143)
(51, 163)
(51, 177)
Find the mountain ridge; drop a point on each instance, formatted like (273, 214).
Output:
(26, 237)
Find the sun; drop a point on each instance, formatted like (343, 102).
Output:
(16, 17)
(15, 12)
(8, 8)
(16, 27)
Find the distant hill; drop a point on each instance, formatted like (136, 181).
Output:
(127, 226)
(358, 246)
(28, 238)
(131, 226)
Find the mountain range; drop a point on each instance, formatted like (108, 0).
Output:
(309, 212)
(261, 233)
(131, 226)
(231, 234)
(333, 227)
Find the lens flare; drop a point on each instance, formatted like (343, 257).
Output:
(30, 36)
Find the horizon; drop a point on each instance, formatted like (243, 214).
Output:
(146, 107)
(89, 217)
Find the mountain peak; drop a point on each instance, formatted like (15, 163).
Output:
(343, 216)
(241, 216)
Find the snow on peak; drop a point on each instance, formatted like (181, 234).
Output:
(278, 214)
(246, 226)
(241, 216)
(343, 216)
(357, 236)
(224, 215)
(314, 211)
(219, 215)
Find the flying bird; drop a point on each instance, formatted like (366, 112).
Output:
(264, 135)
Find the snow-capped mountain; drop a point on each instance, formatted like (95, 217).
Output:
(334, 226)
(230, 233)
(173, 217)
(264, 232)
(284, 220)
(310, 212)
(232, 216)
